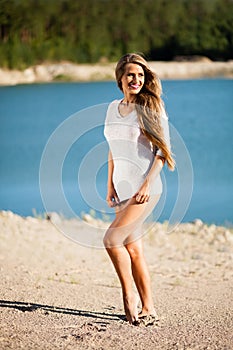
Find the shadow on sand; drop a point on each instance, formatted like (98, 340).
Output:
(29, 307)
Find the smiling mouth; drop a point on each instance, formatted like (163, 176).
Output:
(134, 86)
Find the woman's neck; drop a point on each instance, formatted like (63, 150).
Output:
(127, 100)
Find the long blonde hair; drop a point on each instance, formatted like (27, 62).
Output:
(148, 104)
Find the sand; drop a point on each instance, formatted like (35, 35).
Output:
(57, 294)
(67, 71)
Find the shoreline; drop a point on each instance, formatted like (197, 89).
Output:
(71, 72)
(57, 294)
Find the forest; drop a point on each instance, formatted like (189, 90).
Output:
(89, 31)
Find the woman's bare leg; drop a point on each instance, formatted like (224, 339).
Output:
(122, 263)
(141, 276)
(126, 224)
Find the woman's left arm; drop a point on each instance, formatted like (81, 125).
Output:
(143, 194)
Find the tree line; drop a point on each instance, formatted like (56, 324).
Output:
(34, 31)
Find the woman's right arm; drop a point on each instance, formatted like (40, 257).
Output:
(111, 198)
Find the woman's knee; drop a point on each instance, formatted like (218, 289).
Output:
(112, 238)
(107, 240)
(135, 250)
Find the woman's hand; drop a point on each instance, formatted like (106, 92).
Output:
(112, 197)
(143, 195)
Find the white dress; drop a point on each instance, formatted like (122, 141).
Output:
(132, 152)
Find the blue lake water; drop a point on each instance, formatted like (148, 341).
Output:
(200, 111)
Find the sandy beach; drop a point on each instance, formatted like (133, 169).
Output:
(57, 294)
(67, 71)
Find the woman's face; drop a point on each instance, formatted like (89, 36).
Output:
(133, 79)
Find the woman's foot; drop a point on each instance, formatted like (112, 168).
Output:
(148, 312)
(149, 320)
(131, 308)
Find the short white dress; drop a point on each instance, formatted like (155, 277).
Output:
(133, 154)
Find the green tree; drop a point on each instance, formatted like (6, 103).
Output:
(32, 31)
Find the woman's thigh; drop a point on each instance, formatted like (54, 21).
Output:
(134, 213)
(130, 216)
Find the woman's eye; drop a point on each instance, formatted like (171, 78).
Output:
(141, 75)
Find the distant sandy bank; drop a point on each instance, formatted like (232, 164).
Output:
(67, 71)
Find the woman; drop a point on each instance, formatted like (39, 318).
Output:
(136, 129)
